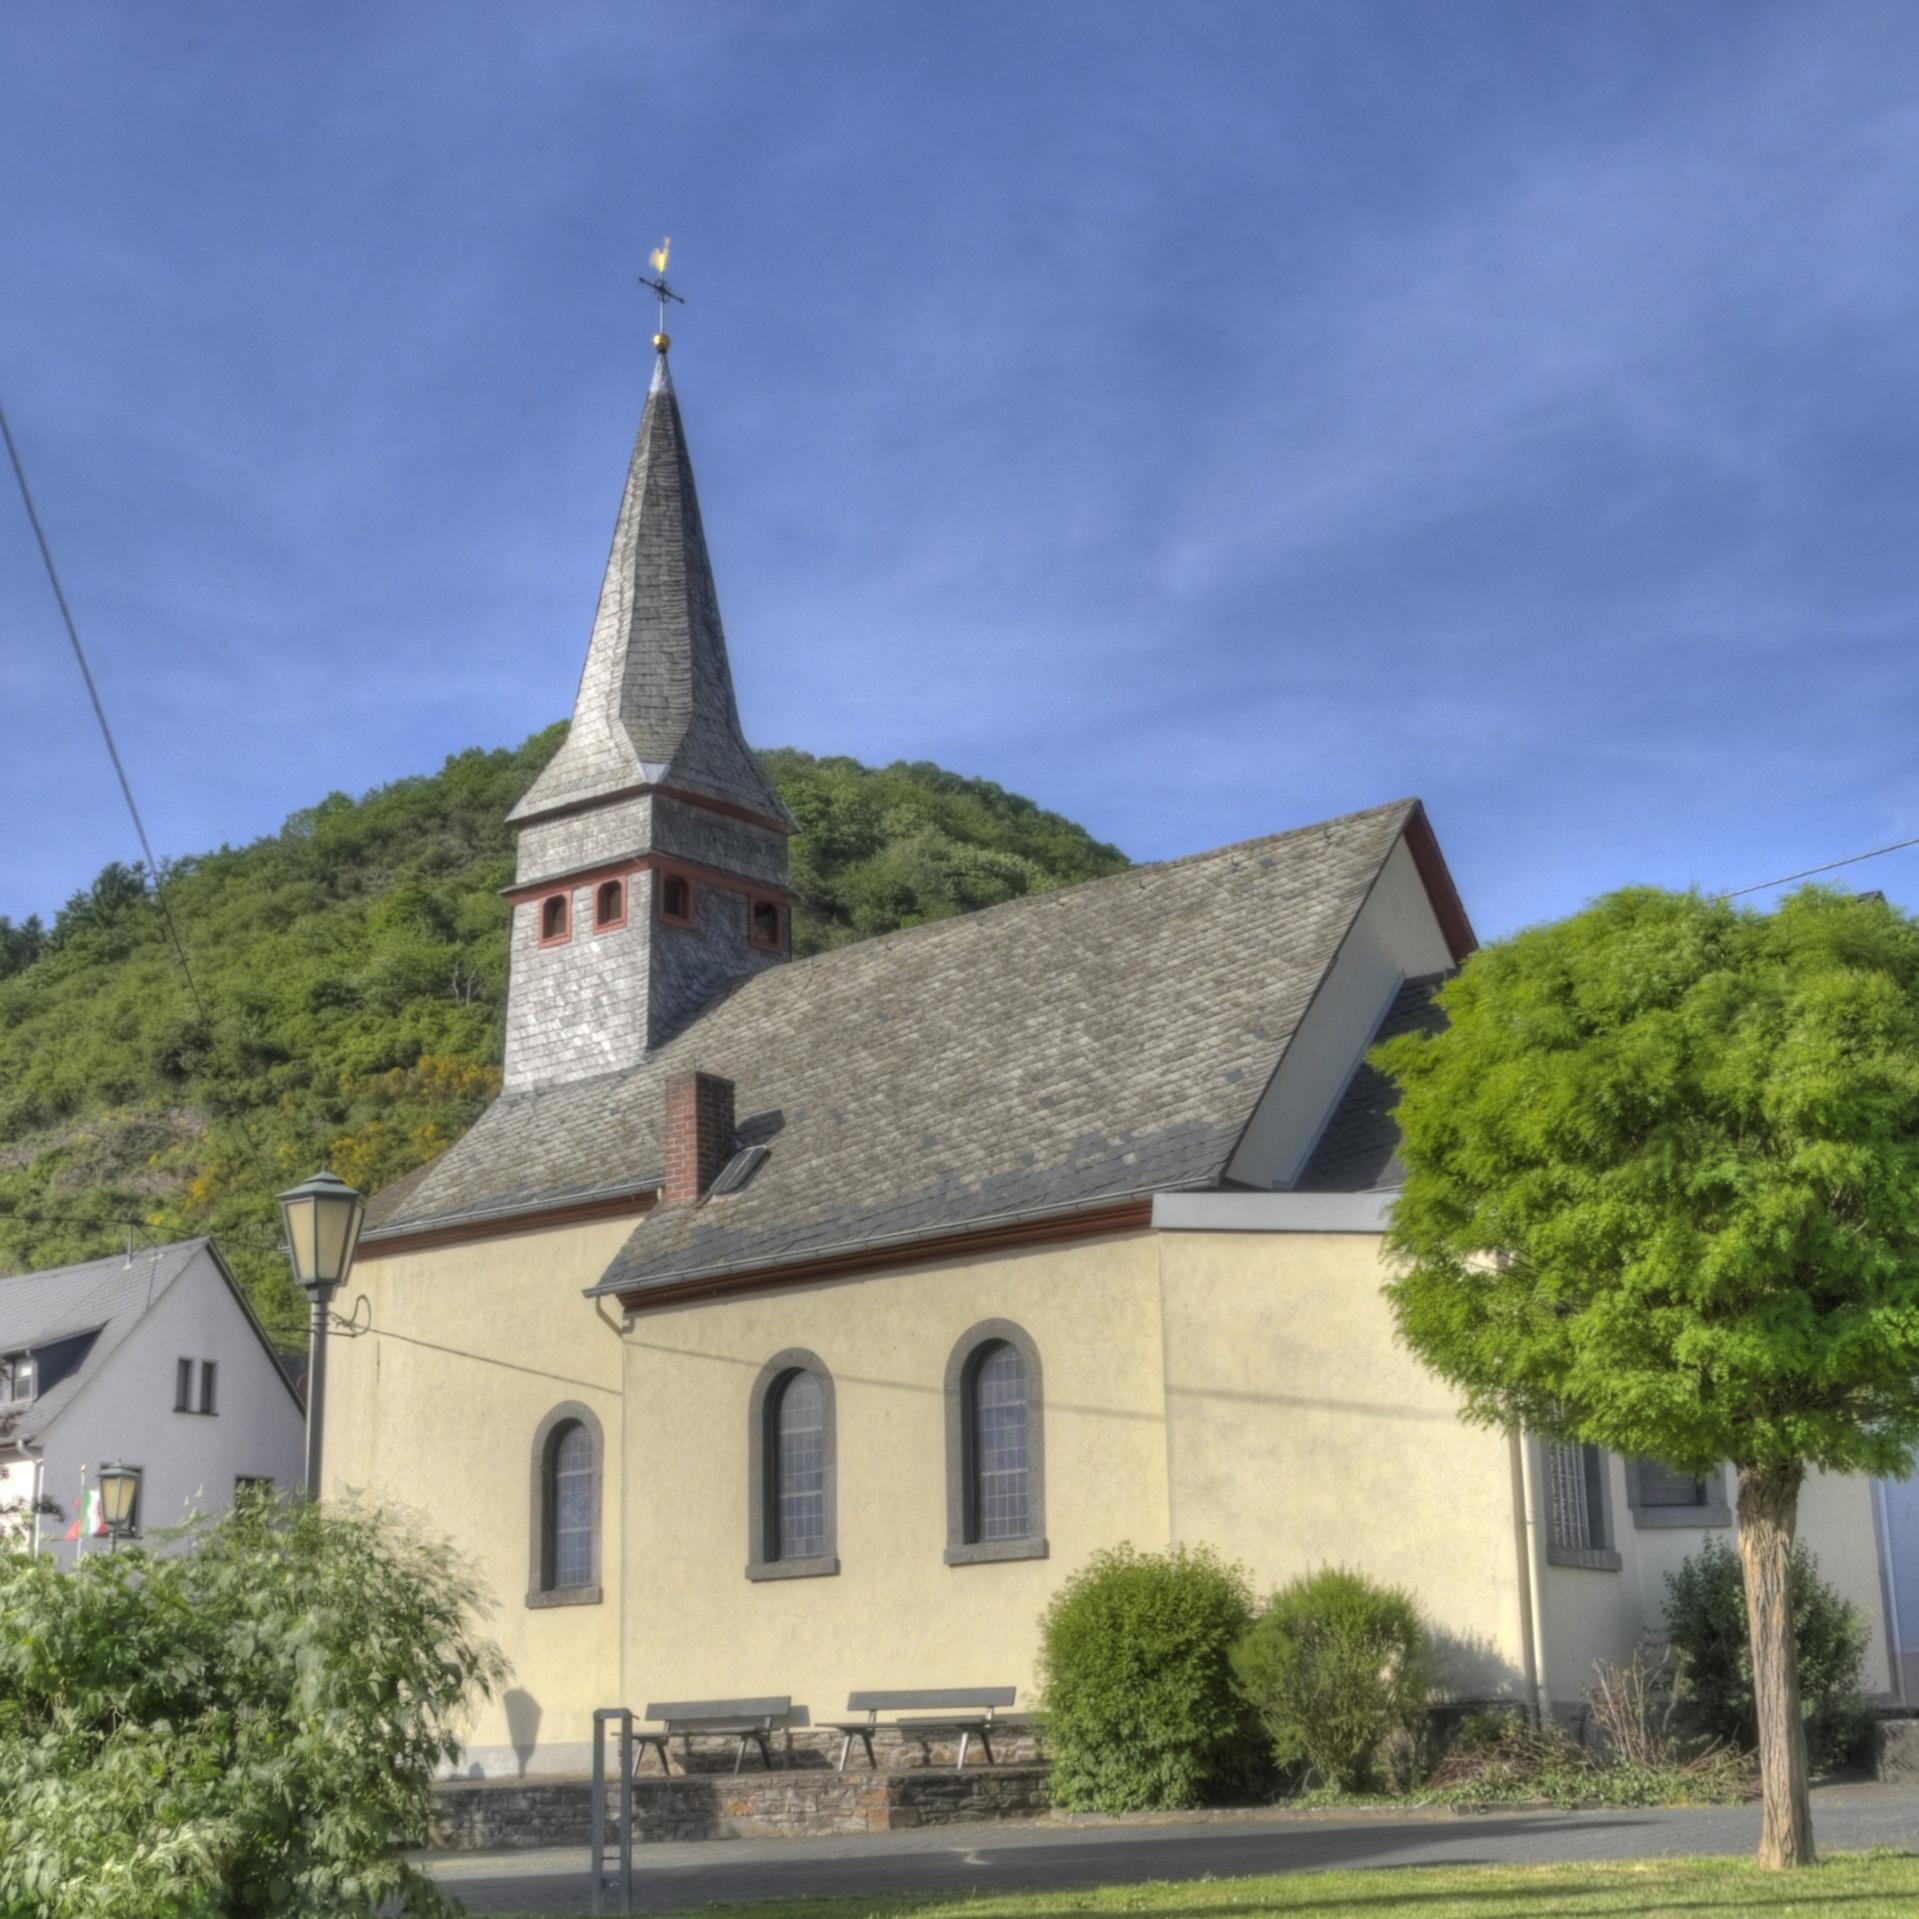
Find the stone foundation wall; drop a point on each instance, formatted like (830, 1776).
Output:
(475, 1815)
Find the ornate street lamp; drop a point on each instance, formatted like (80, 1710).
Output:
(323, 1227)
(119, 1498)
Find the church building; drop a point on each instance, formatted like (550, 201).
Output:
(796, 1327)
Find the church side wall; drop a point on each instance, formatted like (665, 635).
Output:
(895, 1615)
(436, 1409)
(1303, 1435)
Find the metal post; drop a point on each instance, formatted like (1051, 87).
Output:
(321, 1297)
(599, 1806)
(626, 1810)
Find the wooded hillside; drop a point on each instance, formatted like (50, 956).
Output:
(352, 973)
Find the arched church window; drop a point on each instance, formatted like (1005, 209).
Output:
(609, 905)
(556, 918)
(995, 1447)
(676, 899)
(565, 1545)
(792, 1471)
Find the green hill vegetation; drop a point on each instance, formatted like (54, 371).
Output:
(352, 975)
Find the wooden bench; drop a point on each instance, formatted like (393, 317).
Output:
(689, 1719)
(966, 1710)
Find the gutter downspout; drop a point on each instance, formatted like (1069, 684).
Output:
(1889, 1589)
(1532, 1542)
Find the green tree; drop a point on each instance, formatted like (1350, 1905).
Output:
(1663, 1196)
(250, 1725)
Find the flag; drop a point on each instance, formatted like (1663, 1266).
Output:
(92, 1523)
(658, 255)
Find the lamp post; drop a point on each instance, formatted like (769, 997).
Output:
(119, 1494)
(323, 1227)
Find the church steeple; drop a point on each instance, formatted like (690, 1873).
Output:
(652, 849)
(655, 706)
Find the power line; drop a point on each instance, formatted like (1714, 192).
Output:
(99, 710)
(1852, 859)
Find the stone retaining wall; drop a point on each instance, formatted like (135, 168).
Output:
(485, 1815)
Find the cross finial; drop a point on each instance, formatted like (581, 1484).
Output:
(661, 340)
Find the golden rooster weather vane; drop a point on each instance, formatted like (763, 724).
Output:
(661, 340)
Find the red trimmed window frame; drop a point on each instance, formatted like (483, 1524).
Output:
(756, 904)
(668, 877)
(564, 901)
(609, 922)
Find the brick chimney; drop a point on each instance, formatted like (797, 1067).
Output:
(699, 1134)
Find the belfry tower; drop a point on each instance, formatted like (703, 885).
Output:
(652, 850)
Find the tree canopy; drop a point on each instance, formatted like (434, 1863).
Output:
(1663, 1183)
(353, 972)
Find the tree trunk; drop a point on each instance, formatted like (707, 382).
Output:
(1768, 1515)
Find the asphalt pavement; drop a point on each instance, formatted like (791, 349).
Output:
(1058, 1854)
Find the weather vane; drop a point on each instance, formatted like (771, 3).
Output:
(661, 340)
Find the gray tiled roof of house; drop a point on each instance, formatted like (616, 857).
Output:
(1058, 1051)
(655, 705)
(1359, 1150)
(104, 1297)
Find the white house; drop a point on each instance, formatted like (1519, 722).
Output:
(153, 1360)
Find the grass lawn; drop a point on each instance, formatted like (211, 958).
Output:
(1869, 1885)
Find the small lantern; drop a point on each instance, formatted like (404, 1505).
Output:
(119, 1497)
(323, 1227)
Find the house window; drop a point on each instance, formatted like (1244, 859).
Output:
(16, 1379)
(769, 926)
(791, 1492)
(183, 1386)
(1578, 1508)
(609, 905)
(995, 1447)
(565, 1543)
(1663, 1497)
(556, 918)
(676, 899)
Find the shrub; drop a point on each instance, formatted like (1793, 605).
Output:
(246, 1726)
(1706, 1622)
(1136, 1666)
(1335, 1666)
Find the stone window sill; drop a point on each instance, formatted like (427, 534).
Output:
(1669, 1518)
(1592, 1559)
(986, 1552)
(564, 1596)
(821, 1568)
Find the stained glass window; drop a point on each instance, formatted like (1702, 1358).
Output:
(570, 1506)
(800, 1468)
(999, 1444)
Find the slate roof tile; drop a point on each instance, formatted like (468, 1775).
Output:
(1052, 1053)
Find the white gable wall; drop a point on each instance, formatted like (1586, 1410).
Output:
(188, 1460)
(1395, 938)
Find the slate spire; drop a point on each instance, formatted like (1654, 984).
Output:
(655, 706)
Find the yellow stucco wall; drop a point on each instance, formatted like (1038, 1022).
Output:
(896, 1614)
(1302, 1435)
(436, 1408)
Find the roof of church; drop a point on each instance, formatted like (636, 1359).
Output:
(655, 705)
(1059, 1051)
(1359, 1150)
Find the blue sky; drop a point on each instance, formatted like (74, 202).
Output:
(1203, 420)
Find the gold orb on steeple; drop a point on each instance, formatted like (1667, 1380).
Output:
(661, 341)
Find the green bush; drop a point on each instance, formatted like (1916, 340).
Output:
(248, 1725)
(1706, 1622)
(1136, 1665)
(1335, 1666)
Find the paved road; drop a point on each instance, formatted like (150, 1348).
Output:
(1053, 1855)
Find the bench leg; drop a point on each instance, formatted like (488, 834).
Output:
(846, 1746)
(766, 1757)
(739, 1753)
(872, 1764)
(986, 1744)
(964, 1737)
